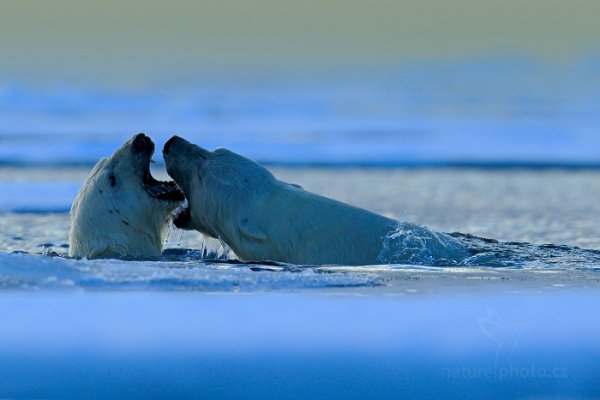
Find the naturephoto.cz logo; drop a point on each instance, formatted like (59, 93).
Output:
(506, 336)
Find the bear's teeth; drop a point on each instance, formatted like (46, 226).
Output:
(182, 216)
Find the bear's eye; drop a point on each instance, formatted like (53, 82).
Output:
(113, 180)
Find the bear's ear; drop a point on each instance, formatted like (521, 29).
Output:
(293, 185)
(252, 232)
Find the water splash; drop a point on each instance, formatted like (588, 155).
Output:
(415, 244)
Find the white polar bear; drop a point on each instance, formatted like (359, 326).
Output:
(261, 218)
(121, 211)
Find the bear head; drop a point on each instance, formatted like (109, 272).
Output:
(121, 211)
(222, 189)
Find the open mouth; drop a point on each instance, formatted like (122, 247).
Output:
(142, 146)
(162, 190)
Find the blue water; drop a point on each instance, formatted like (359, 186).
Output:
(479, 112)
(503, 149)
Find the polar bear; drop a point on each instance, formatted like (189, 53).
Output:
(121, 211)
(238, 201)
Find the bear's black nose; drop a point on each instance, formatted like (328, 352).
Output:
(142, 143)
(169, 143)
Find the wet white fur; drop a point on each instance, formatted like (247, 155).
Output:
(122, 220)
(261, 218)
